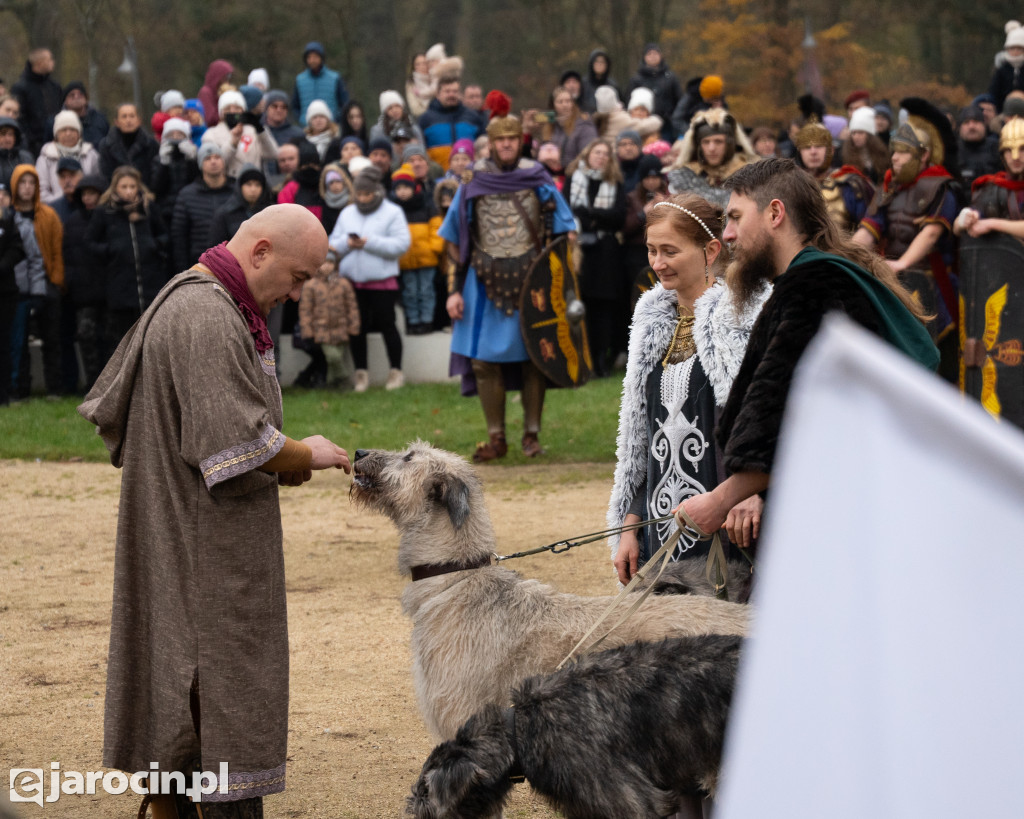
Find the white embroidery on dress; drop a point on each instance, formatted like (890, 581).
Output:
(676, 439)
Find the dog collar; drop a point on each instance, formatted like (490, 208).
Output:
(435, 569)
(516, 773)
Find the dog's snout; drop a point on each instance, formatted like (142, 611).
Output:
(361, 453)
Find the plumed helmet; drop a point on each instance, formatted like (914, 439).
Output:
(502, 123)
(1011, 138)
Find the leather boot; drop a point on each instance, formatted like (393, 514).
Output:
(496, 447)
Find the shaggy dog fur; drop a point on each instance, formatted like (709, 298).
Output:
(626, 733)
(477, 633)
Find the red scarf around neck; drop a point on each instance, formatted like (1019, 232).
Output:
(1000, 179)
(229, 272)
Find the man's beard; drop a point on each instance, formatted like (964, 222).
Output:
(749, 270)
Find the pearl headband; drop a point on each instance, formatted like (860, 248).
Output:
(691, 214)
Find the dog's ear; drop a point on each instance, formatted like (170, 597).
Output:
(453, 494)
(444, 788)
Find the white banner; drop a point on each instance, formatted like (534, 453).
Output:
(885, 675)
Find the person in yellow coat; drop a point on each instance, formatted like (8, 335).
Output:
(419, 264)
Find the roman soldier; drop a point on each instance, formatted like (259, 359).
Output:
(911, 219)
(495, 229)
(992, 284)
(713, 149)
(847, 190)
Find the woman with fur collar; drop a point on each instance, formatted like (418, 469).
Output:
(686, 344)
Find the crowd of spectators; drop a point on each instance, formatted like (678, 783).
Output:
(97, 215)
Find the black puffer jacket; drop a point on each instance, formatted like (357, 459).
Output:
(664, 85)
(592, 81)
(193, 213)
(41, 97)
(84, 273)
(131, 252)
(115, 152)
(12, 251)
(229, 216)
(10, 158)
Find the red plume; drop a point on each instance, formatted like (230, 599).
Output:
(498, 103)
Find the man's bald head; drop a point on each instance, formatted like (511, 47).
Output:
(279, 248)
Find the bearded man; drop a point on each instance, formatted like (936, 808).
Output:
(779, 230)
(847, 190)
(992, 284)
(494, 228)
(911, 218)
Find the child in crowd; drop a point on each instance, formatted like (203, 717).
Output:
(444, 281)
(461, 159)
(328, 315)
(419, 264)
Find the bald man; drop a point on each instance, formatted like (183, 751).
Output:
(190, 409)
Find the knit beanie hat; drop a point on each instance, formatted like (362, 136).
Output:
(631, 136)
(649, 165)
(413, 149)
(252, 96)
(463, 146)
(863, 119)
(1014, 34)
(436, 52)
(206, 150)
(318, 108)
(855, 96)
(276, 95)
(389, 98)
(607, 100)
(711, 87)
(195, 105)
(350, 139)
(67, 119)
(368, 179)
(641, 97)
(230, 98)
(403, 176)
(171, 99)
(74, 85)
(250, 173)
(259, 77)
(176, 124)
(381, 144)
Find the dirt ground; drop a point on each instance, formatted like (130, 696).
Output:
(356, 739)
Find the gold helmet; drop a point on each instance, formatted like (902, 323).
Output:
(815, 135)
(1011, 138)
(502, 123)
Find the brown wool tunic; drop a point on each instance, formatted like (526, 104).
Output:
(190, 410)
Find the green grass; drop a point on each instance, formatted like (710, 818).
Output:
(579, 425)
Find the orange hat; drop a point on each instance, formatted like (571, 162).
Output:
(711, 87)
(404, 175)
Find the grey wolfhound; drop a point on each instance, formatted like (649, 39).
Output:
(635, 731)
(479, 629)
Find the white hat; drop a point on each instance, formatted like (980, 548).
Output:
(436, 52)
(357, 164)
(231, 98)
(1014, 34)
(67, 119)
(260, 78)
(389, 98)
(318, 108)
(177, 124)
(641, 97)
(863, 119)
(171, 99)
(607, 100)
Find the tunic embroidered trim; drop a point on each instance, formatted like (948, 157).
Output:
(250, 784)
(242, 458)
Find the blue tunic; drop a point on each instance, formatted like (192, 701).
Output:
(485, 332)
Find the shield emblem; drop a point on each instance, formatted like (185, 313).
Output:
(552, 317)
(992, 324)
